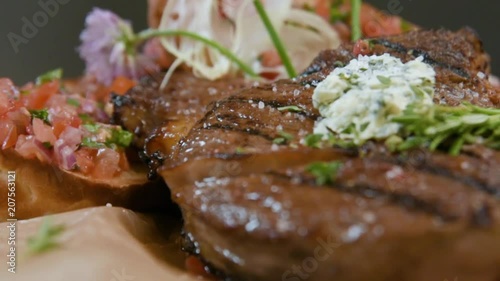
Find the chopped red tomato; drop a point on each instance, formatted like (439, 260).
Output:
(121, 85)
(85, 159)
(376, 23)
(107, 163)
(38, 97)
(29, 148)
(43, 132)
(270, 58)
(362, 47)
(8, 134)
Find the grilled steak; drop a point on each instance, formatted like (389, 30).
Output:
(253, 212)
(178, 106)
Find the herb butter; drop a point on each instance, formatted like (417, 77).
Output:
(358, 101)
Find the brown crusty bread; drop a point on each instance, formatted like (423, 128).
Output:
(43, 189)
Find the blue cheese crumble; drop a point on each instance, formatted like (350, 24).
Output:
(357, 101)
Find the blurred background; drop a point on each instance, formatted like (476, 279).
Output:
(54, 44)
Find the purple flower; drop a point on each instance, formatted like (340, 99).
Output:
(109, 48)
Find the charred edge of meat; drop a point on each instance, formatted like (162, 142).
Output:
(405, 200)
(249, 131)
(153, 161)
(191, 247)
(417, 53)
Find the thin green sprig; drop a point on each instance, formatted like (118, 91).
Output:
(278, 44)
(450, 128)
(356, 19)
(147, 34)
(46, 238)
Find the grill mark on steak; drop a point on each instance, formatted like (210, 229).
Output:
(248, 131)
(405, 200)
(417, 53)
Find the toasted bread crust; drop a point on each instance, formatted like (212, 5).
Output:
(43, 189)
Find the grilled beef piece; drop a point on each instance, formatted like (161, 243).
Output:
(253, 212)
(178, 106)
(461, 65)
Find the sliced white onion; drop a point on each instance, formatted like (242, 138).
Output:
(241, 30)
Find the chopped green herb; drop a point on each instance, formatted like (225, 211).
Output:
(325, 172)
(92, 128)
(42, 114)
(313, 140)
(337, 15)
(120, 137)
(46, 238)
(291, 108)
(52, 75)
(285, 135)
(73, 102)
(405, 26)
(384, 80)
(90, 143)
(279, 141)
(25, 92)
(87, 119)
(47, 145)
(240, 150)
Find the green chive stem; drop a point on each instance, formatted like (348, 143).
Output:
(278, 44)
(356, 19)
(147, 34)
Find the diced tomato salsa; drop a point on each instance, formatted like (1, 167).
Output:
(47, 123)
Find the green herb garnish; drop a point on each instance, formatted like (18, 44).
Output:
(291, 108)
(284, 138)
(73, 102)
(92, 128)
(46, 238)
(384, 79)
(278, 44)
(356, 20)
(87, 119)
(90, 143)
(47, 145)
(50, 76)
(42, 114)
(450, 128)
(313, 140)
(325, 172)
(120, 137)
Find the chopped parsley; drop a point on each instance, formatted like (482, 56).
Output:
(42, 114)
(284, 138)
(120, 137)
(313, 140)
(93, 128)
(325, 172)
(90, 143)
(46, 238)
(50, 76)
(73, 102)
(117, 137)
(291, 108)
(87, 119)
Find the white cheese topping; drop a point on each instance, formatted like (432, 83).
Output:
(358, 101)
